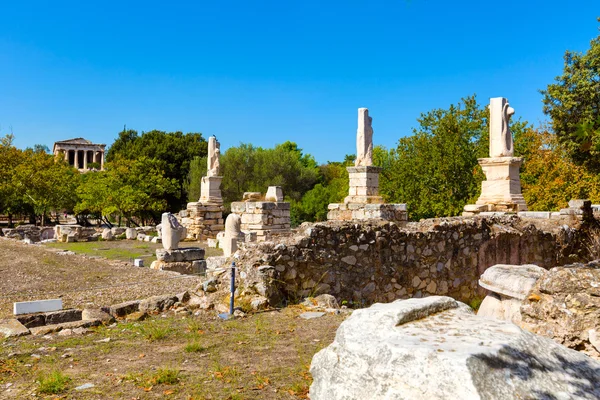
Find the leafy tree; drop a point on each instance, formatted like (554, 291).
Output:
(573, 104)
(130, 188)
(549, 178)
(435, 171)
(173, 152)
(198, 168)
(253, 169)
(45, 184)
(10, 158)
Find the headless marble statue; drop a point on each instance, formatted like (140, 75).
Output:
(214, 152)
(501, 141)
(364, 139)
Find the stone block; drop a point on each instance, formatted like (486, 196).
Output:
(97, 314)
(238, 207)
(178, 255)
(59, 317)
(182, 267)
(12, 328)
(46, 329)
(275, 194)
(122, 309)
(130, 233)
(28, 307)
(534, 214)
(580, 204)
(252, 196)
(138, 262)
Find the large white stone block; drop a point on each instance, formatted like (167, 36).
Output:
(27, 307)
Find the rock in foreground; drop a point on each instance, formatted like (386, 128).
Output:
(565, 305)
(436, 348)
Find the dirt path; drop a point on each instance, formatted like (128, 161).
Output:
(32, 272)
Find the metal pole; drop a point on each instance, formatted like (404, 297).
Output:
(232, 287)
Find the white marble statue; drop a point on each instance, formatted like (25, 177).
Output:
(214, 151)
(364, 139)
(501, 141)
(172, 231)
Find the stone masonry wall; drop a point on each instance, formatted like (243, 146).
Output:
(263, 217)
(202, 220)
(379, 262)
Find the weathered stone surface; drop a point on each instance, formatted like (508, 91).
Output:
(130, 233)
(32, 320)
(107, 234)
(136, 316)
(436, 348)
(46, 329)
(178, 255)
(97, 314)
(451, 252)
(12, 328)
(182, 267)
(364, 139)
(58, 317)
(122, 309)
(157, 303)
(564, 305)
(275, 194)
(172, 232)
(511, 280)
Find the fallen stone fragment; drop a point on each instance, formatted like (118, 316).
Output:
(12, 328)
(157, 303)
(436, 348)
(46, 329)
(311, 315)
(122, 309)
(85, 386)
(96, 313)
(136, 316)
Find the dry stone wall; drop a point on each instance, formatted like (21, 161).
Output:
(379, 262)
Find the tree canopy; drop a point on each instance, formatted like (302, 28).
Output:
(573, 104)
(172, 151)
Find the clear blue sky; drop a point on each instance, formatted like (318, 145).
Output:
(264, 72)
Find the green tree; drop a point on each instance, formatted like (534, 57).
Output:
(130, 188)
(173, 152)
(198, 168)
(435, 171)
(44, 183)
(572, 102)
(253, 169)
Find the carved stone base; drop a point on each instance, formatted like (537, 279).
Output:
(210, 190)
(501, 191)
(363, 212)
(203, 220)
(263, 218)
(364, 185)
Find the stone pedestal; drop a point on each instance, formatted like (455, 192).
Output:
(356, 211)
(188, 261)
(203, 220)
(263, 217)
(364, 185)
(501, 191)
(210, 190)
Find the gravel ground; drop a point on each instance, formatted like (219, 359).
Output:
(35, 272)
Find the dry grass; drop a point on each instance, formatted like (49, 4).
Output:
(263, 356)
(32, 272)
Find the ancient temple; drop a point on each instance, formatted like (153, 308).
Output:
(80, 153)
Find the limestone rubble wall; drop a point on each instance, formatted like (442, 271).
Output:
(373, 262)
(203, 220)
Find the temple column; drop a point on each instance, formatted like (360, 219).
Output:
(101, 161)
(85, 154)
(77, 159)
(66, 153)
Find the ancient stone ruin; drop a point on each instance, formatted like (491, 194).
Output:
(437, 348)
(501, 191)
(204, 218)
(363, 201)
(80, 152)
(263, 218)
(171, 257)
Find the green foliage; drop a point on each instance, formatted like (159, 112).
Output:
(53, 383)
(165, 376)
(154, 330)
(198, 168)
(171, 151)
(435, 171)
(194, 347)
(126, 187)
(549, 178)
(253, 169)
(572, 104)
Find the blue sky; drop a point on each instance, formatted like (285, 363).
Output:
(265, 72)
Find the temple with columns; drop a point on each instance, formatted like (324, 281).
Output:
(80, 153)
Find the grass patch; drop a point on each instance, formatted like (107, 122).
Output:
(154, 330)
(165, 376)
(475, 303)
(194, 347)
(53, 382)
